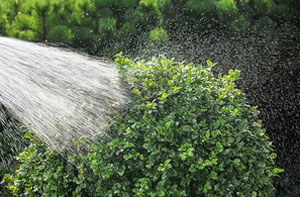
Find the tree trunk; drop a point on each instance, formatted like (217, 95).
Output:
(44, 28)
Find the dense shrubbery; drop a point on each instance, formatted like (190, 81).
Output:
(42, 172)
(262, 34)
(185, 134)
(12, 142)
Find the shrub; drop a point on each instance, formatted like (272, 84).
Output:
(188, 134)
(43, 172)
(185, 133)
(12, 143)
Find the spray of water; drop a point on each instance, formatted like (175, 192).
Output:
(12, 139)
(60, 95)
(269, 71)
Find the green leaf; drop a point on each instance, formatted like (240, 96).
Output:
(214, 175)
(131, 120)
(207, 135)
(207, 187)
(277, 170)
(183, 156)
(186, 128)
(221, 167)
(219, 147)
(185, 147)
(8, 178)
(192, 168)
(28, 135)
(136, 91)
(273, 156)
(209, 63)
(128, 145)
(237, 161)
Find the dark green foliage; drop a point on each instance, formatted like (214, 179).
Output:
(12, 143)
(185, 133)
(43, 172)
(198, 29)
(111, 26)
(189, 134)
(3, 19)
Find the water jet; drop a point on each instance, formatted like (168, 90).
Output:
(62, 96)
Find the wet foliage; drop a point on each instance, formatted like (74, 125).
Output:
(258, 37)
(63, 98)
(12, 142)
(270, 80)
(44, 172)
(186, 134)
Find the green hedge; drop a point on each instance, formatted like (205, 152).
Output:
(43, 172)
(186, 133)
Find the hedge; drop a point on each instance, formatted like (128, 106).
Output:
(185, 133)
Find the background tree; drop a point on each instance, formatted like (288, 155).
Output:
(3, 17)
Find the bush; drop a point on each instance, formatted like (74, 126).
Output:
(188, 134)
(185, 133)
(43, 172)
(12, 143)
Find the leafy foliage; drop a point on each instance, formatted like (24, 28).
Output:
(189, 134)
(185, 133)
(140, 27)
(43, 172)
(12, 143)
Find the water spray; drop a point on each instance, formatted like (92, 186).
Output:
(62, 96)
